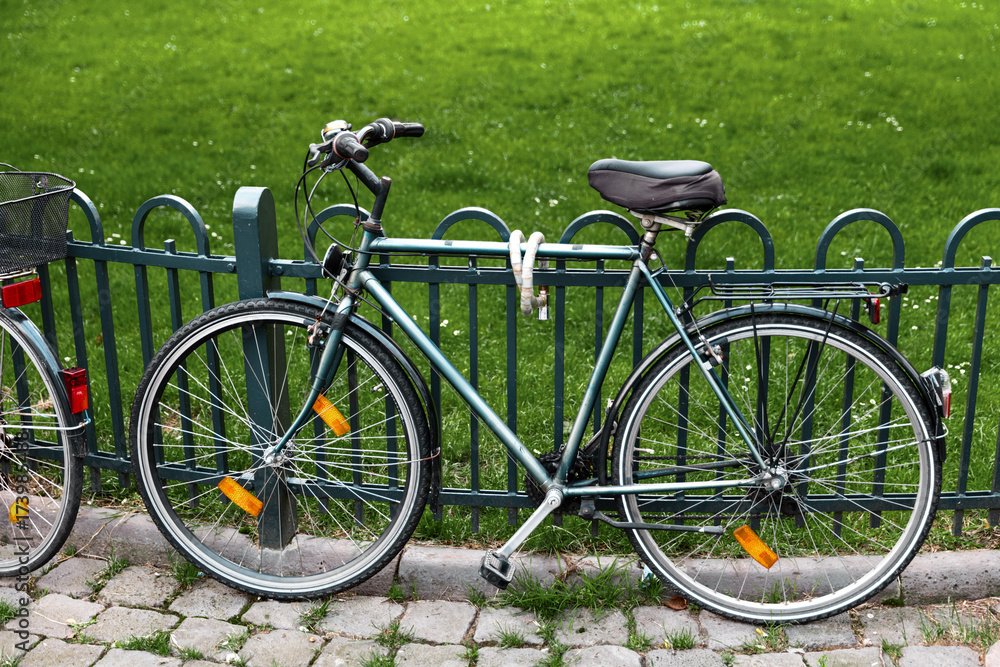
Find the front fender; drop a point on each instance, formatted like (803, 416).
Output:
(431, 410)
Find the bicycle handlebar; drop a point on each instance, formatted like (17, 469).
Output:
(347, 145)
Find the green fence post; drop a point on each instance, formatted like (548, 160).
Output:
(256, 234)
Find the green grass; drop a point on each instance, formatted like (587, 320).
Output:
(311, 617)
(602, 591)
(7, 611)
(805, 110)
(158, 643)
(184, 571)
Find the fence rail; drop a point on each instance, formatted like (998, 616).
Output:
(258, 268)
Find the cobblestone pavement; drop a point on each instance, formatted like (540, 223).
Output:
(84, 613)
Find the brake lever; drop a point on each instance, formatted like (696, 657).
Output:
(316, 152)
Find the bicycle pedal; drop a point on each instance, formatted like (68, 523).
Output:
(497, 569)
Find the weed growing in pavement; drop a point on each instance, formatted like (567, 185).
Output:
(392, 636)
(681, 640)
(311, 617)
(158, 643)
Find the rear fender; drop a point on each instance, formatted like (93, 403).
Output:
(739, 312)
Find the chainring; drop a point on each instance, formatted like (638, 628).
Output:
(583, 468)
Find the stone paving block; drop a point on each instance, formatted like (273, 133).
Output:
(438, 621)
(94, 530)
(505, 619)
(769, 660)
(9, 642)
(119, 623)
(663, 623)
(210, 600)
(832, 632)
(278, 615)
(138, 586)
(492, 656)
(360, 616)
(698, 657)
(285, 647)
(54, 614)
(895, 625)
(117, 657)
(602, 656)
(14, 597)
(951, 576)
(381, 582)
(582, 627)
(952, 656)
(204, 635)
(992, 658)
(54, 652)
(724, 634)
(422, 655)
(71, 577)
(344, 652)
(442, 573)
(870, 656)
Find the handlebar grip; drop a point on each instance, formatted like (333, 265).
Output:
(346, 146)
(408, 129)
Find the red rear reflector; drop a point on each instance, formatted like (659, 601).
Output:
(22, 293)
(946, 395)
(875, 310)
(75, 380)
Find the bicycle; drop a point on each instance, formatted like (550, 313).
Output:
(42, 406)
(726, 450)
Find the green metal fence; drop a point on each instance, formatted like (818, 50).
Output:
(192, 278)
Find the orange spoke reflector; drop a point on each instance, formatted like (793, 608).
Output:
(755, 546)
(18, 510)
(329, 413)
(242, 498)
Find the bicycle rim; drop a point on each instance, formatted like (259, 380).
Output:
(334, 509)
(39, 490)
(848, 432)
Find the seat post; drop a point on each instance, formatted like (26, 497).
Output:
(652, 227)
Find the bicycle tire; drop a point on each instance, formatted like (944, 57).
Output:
(335, 510)
(40, 477)
(841, 420)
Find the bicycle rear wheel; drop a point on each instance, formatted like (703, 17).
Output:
(836, 419)
(338, 504)
(40, 478)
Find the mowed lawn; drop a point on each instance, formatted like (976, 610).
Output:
(806, 109)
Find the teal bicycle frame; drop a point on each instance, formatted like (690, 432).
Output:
(362, 279)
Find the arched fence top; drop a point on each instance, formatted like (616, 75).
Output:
(856, 215)
(93, 217)
(724, 216)
(178, 204)
(597, 217)
(327, 213)
(472, 213)
(963, 228)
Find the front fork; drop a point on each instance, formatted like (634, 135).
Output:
(329, 362)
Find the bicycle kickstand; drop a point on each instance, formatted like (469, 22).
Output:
(496, 566)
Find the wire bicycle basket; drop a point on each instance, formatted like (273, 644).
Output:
(34, 214)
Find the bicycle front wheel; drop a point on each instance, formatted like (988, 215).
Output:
(40, 478)
(337, 504)
(840, 425)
